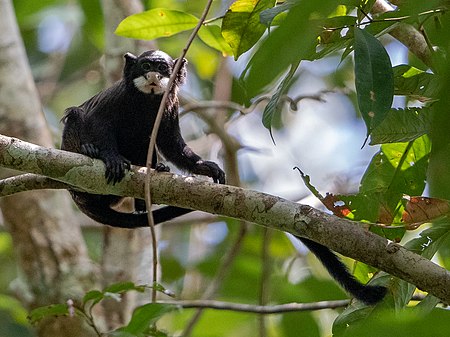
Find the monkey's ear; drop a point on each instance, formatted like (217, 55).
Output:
(181, 78)
(130, 57)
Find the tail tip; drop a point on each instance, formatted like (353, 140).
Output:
(371, 295)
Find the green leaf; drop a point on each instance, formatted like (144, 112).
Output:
(406, 323)
(212, 36)
(397, 169)
(374, 79)
(268, 15)
(294, 40)
(93, 295)
(146, 315)
(402, 125)
(51, 310)
(241, 26)
(274, 107)
(155, 23)
(399, 166)
(121, 287)
(415, 83)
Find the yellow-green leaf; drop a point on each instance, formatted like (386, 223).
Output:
(212, 36)
(155, 23)
(241, 26)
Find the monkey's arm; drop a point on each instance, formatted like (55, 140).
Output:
(90, 135)
(174, 148)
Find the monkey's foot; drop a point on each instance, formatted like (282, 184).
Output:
(160, 167)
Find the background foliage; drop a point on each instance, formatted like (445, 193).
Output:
(362, 88)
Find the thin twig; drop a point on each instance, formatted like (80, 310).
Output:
(259, 309)
(148, 201)
(267, 309)
(219, 277)
(265, 277)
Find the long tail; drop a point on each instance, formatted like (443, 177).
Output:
(98, 208)
(367, 294)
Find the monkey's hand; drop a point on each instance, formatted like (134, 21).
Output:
(210, 169)
(115, 167)
(160, 167)
(114, 162)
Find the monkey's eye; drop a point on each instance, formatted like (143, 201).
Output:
(146, 66)
(162, 68)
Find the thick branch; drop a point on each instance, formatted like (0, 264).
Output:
(407, 34)
(340, 235)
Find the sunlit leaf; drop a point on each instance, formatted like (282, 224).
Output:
(241, 26)
(211, 35)
(155, 23)
(374, 79)
(402, 125)
(397, 169)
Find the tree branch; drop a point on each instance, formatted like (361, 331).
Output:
(407, 34)
(341, 235)
(259, 309)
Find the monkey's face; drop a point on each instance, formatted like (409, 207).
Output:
(149, 72)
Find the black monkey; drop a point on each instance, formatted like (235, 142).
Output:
(115, 126)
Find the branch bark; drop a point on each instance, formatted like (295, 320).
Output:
(407, 34)
(341, 235)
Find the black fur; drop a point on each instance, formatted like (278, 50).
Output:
(115, 126)
(365, 293)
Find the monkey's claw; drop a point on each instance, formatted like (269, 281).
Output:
(115, 168)
(210, 169)
(90, 150)
(160, 167)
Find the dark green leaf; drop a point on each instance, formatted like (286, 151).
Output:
(402, 125)
(93, 295)
(294, 40)
(241, 26)
(47, 311)
(374, 79)
(155, 23)
(427, 304)
(291, 322)
(146, 315)
(274, 107)
(415, 83)
(406, 323)
(123, 287)
(268, 15)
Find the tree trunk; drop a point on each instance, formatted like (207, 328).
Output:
(52, 255)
